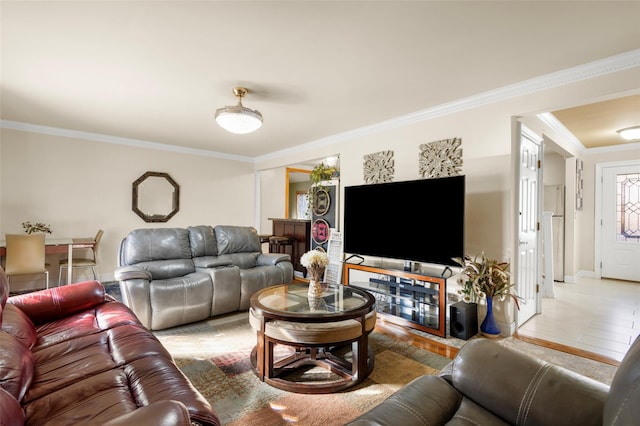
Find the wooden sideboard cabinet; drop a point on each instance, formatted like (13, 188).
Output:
(300, 231)
(405, 298)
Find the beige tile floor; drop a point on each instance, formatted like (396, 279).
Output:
(599, 316)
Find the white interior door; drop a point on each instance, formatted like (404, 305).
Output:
(620, 224)
(528, 260)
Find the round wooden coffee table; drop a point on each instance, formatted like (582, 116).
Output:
(317, 333)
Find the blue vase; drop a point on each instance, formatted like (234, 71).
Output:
(489, 326)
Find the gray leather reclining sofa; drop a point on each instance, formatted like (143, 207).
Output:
(490, 384)
(175, 276)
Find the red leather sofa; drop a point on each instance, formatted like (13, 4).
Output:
(72, 355)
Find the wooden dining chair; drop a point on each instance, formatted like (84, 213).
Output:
(25, 255)
(83, 262)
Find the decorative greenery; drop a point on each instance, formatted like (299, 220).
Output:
(318, 175)
(315, 261)
(484, 278)
(30, 228)
(322, 172)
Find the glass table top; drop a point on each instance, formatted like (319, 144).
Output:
(293, 300)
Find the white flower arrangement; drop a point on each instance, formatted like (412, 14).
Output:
(483, 277)
(315, 261)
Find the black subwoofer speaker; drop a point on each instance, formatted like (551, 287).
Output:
(463, 320)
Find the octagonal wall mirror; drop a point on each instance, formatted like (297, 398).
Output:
(156, 197)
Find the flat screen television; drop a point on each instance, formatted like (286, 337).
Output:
(419, 220)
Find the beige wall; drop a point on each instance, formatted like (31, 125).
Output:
(585, 227)
(488, 164)
(486, 142)
(78, 186)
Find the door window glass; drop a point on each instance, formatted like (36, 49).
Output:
(628, 207)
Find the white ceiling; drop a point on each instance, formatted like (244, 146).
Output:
(157, 71)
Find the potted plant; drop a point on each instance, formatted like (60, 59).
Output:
(318, 176)
(485, 278)
(30, 228)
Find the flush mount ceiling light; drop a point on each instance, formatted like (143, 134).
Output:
(630, 133)
(239, 119)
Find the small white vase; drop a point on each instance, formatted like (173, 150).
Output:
(315, 288)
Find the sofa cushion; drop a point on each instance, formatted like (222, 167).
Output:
(57, 365)
(165, 269)
(11, 413)
(16, 323)
(145, 245)
(237, 239)
(247, 260)
(527, 390)
(426, 400)
(203, 241)
(90, 322)
(57, 302)
(622, 407)
(254, 279)
(16, 366)
(181, 300)
(116, 392)
(313, 333)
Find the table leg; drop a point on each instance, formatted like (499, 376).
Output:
(260, 355)
(268, 361)
(360, 357)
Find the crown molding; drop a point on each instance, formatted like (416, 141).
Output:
(613, 148)
(586, 71)
(550, 120)
(98, 137)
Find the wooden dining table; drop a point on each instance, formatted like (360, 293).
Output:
(60, 245)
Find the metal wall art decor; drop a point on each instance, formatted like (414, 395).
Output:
(579, 184)
(378, 167)
(440, 158)
(321, 202)
(320, 231)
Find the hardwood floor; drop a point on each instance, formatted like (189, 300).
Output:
(403, 334)
(597, 318)
(593, 319)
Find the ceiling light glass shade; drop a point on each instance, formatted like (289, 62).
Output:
(630, 133)
(238, 119)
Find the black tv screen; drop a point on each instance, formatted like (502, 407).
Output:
(420, 220)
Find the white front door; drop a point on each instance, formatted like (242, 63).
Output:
(620, 224)
(528, 225)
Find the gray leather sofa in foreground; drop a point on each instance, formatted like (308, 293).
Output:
(489, 384)
(175, 276)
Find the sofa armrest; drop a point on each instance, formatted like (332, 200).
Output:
(162, 413)
(11, 413)
(266, 259)
(132, 273)
(423, 401)
(211, 261)
(522, 389)
(59, 302)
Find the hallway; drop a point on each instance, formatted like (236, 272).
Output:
(598, 316)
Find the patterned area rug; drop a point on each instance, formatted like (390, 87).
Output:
(214, 355)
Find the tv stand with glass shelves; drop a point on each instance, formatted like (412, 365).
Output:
(405, 298)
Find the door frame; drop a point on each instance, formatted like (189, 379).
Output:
(517, 130)
(597, 219)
